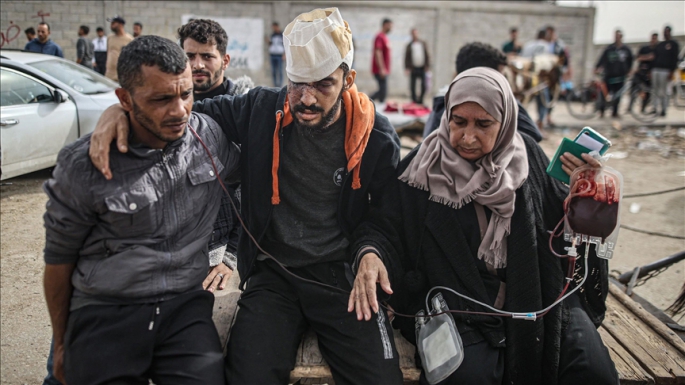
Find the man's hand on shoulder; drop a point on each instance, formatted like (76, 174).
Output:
(113, 124)
(363, 296)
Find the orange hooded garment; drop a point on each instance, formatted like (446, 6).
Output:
(359, 113)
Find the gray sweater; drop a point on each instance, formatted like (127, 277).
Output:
(304, 228)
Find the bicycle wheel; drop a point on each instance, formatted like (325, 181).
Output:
(640, 105)
(582, 103)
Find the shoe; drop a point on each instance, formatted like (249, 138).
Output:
(663, 113)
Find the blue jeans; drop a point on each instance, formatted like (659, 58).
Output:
(277, 70)
(542, 99)
(50, 378)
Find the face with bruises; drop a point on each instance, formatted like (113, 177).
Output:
(317, 105)
(160, 106)
(473, 132)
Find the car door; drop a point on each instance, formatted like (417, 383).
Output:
(35, 123)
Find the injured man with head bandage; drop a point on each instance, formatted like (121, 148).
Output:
(316, 160)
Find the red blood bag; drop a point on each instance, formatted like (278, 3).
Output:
(592, 206)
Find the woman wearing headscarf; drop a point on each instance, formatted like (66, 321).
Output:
(471, 211)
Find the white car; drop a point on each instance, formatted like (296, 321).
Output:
(46, 102)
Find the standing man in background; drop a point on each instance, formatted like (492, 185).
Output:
(416, 63)
(616, 62)
(43, 44)
(30, 33)
(84, 48)
(663, 66)
(137, 29)
(276, 54)
(115, 42)
(380, 61)
(204, 42)
(512, 46)
(100, 51)
(645, 59)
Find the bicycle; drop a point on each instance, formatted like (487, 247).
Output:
(586, 102)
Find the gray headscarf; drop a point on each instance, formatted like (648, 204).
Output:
(493, 179)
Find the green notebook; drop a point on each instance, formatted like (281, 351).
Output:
(589, 138)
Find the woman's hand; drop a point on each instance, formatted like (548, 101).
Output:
(113, 124)
(569, 162)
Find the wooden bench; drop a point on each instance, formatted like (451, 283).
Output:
(644, 350)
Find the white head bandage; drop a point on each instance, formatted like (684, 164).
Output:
(316, 43)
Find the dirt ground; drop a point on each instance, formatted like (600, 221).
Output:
(25, 327)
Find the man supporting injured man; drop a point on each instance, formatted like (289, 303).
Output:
(126, 257)
(315, 160)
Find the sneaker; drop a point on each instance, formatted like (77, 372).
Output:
(663, 113)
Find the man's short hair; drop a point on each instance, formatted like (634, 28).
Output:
(549, 28)
(204, 31)
(138, 24)
(513, 29)
(480, 55)
(85, 29)
(45, 24)
(386, 21)
(274, 24)
(668, 27)
(149, 50)
(30, 30)
(99, 29)
(542, 33)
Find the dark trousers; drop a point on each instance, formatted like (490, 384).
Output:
(170, 342)
(583, 357)
(417, 74)
(382, 88)
(615, 100)
(275, 311)
(101, 62)
(50, 378)
(277, 70)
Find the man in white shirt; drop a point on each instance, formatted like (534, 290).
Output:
(416, 63)
(100, 51)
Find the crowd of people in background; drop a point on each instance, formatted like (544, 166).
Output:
(652, 65)
(99, 54)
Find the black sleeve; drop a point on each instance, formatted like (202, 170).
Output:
(231, 112)
(602, 59)
(370, 232)
(594, 291)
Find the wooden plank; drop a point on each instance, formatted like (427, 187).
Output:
(661, 360)
(630, 372)
(658, 326)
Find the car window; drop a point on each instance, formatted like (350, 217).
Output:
(76, 76)
(17, 89)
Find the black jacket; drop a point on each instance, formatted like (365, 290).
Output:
(250, 120)
(432, 245)
(616, 61)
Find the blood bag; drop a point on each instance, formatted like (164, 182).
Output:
(438, 342)
(592, 206)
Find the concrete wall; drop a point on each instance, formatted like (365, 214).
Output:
(446, 26)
